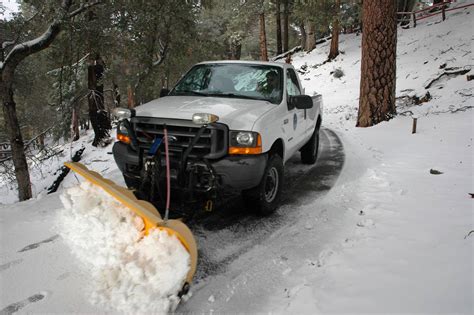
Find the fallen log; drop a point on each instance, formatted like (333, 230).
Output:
(64, 171)
(449, 73)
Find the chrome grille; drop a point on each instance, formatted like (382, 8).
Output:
(211, 144)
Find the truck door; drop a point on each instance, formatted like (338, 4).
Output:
(298, 117)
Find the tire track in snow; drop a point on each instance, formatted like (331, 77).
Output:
(15, 307)
(231, 231)
(36, 245)
(10, 264)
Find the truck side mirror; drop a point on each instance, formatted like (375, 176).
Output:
(164, 92)
(300, 102)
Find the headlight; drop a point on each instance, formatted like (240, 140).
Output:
(123, 113)
(122, 129)
(122, 132)
(245, 142)
(204, 118)
(243, 138)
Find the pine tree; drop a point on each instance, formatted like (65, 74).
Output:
(278, 26)
(378, 69)
(334, 51)
(263, 38)
(286, 28)
(8, 65)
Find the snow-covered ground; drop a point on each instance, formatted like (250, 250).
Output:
(389, 235)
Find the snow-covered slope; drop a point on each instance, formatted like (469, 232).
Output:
(389, 235)
(44, 171)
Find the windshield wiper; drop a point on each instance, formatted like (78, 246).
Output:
(235, 96)
(190, 92)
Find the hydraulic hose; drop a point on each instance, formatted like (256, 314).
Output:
(168, 182)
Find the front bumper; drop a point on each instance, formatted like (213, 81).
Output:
(233, 172)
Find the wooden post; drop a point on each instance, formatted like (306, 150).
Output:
(443, 11)
(413, 130)
(414, 19)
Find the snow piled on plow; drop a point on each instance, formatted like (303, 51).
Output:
(129, 272)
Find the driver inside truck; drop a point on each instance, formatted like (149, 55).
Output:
(271, 86)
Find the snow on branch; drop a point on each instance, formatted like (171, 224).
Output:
(162, 53)
(7, 44)
(23, 50)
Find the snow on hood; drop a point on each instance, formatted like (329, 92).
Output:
(129, 272)
(238, 114)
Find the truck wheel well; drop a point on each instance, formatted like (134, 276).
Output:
(277, 148)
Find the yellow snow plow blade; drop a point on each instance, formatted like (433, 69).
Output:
(151, 217)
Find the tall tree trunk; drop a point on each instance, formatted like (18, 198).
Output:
(278, 26)
(235, 47)
(263, 39)
(285, 25)
(334, 51)
(303, 36)
(117, 96)
(130, 97)
(97, 114)
(14, 133)
(9, 64)
(75, 123)
(378, 69)
(311, 36)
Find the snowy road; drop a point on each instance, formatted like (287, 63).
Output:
(232, 231)
(222, 237)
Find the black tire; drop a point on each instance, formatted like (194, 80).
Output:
(309, 152)
(265, 198)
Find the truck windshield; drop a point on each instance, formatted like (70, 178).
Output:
(248, 81)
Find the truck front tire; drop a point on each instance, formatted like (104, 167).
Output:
(265, 198)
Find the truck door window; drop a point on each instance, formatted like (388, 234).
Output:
(292, 86)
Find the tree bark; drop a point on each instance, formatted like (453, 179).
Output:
(97, 114)
(378, 66)
(14, 133)
(75, 124)
(235, 47)
(285, 25)
(334, 51)
(278, 26)
(130, 97)
(303, 36)
(310, 36)
(263, 39)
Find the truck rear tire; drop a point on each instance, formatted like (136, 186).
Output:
(265, 198)
(309, 152)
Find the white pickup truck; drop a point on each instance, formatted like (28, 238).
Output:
(231, 125)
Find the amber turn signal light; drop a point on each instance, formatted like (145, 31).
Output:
(247, 150)
(237, 150)
(123, 138)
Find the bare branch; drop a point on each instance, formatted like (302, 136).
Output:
(83, 7)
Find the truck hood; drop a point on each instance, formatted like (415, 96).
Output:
(237, 113)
